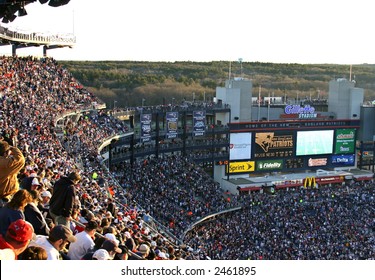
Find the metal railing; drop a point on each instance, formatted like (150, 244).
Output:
(37, 38)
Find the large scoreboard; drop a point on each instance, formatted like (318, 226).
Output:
(297, 145)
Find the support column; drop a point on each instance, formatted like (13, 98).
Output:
(14, 50)
(157, 135)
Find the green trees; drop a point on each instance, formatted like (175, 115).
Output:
(127, 82)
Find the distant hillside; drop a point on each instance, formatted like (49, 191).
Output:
(127, 82)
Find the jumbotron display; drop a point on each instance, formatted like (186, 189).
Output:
(316, 142)
(281, 146)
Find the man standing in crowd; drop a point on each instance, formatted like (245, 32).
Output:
(62, 203)
(11, 162)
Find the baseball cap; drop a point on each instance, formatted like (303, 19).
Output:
(144, 249)
(21, 231)
(112, 237)
(110, 245)
(62, 232)
(101, 254)
(35, 181)
(46, 194)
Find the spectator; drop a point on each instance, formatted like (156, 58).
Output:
(35, 216)
(124, 255)
(142, 252)
(14, 209)
(55, 243)
(17, 237)
(44, 204)
(101, 254)
(85, 242)
(111, 247)
(11, 162)
(62, 203)
(33, 253)
(99, 240)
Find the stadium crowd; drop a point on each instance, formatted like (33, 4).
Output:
(173, 189)
(321, 224)
(33, 93)
(104, 219)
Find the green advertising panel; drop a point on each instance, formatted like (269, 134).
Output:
(269, 164)
(345, 141)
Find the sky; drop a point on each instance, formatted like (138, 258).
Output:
(276, 31)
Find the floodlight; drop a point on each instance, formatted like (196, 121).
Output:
(22, 12)
(57, 3)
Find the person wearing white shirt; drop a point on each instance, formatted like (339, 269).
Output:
(85, 242)
(59, 236)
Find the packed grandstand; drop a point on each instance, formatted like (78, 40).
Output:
(156, 203)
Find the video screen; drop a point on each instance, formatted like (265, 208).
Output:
(240, 146)
(317, 142)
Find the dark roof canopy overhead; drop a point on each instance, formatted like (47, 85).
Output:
(10, 9)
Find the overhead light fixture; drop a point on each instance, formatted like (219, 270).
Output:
(22, 12)
(57, 3)
(8, 18)
(43, 1)
(12, 17)
(12, 9)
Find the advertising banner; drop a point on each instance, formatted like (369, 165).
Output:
(343, 160)
(317, 162)
(345, 141)
(146, 127)
(199, 123)
(274, 164)
(172, 124)
(273, 144)
(309, 182)
(241, 166)
(240, 146)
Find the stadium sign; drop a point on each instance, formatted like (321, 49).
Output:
(303, 112)
(345, 141)
(309, 182)
(317, 162)
(269, 164)
(146, 127)
(241, 166)
(273, 144)
(343, 160)
(172, 124)
(199, 123)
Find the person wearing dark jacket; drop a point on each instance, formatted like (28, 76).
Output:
(62, 202)
(14, 209)
(34, 216)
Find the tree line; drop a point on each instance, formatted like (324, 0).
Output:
(126, 83)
